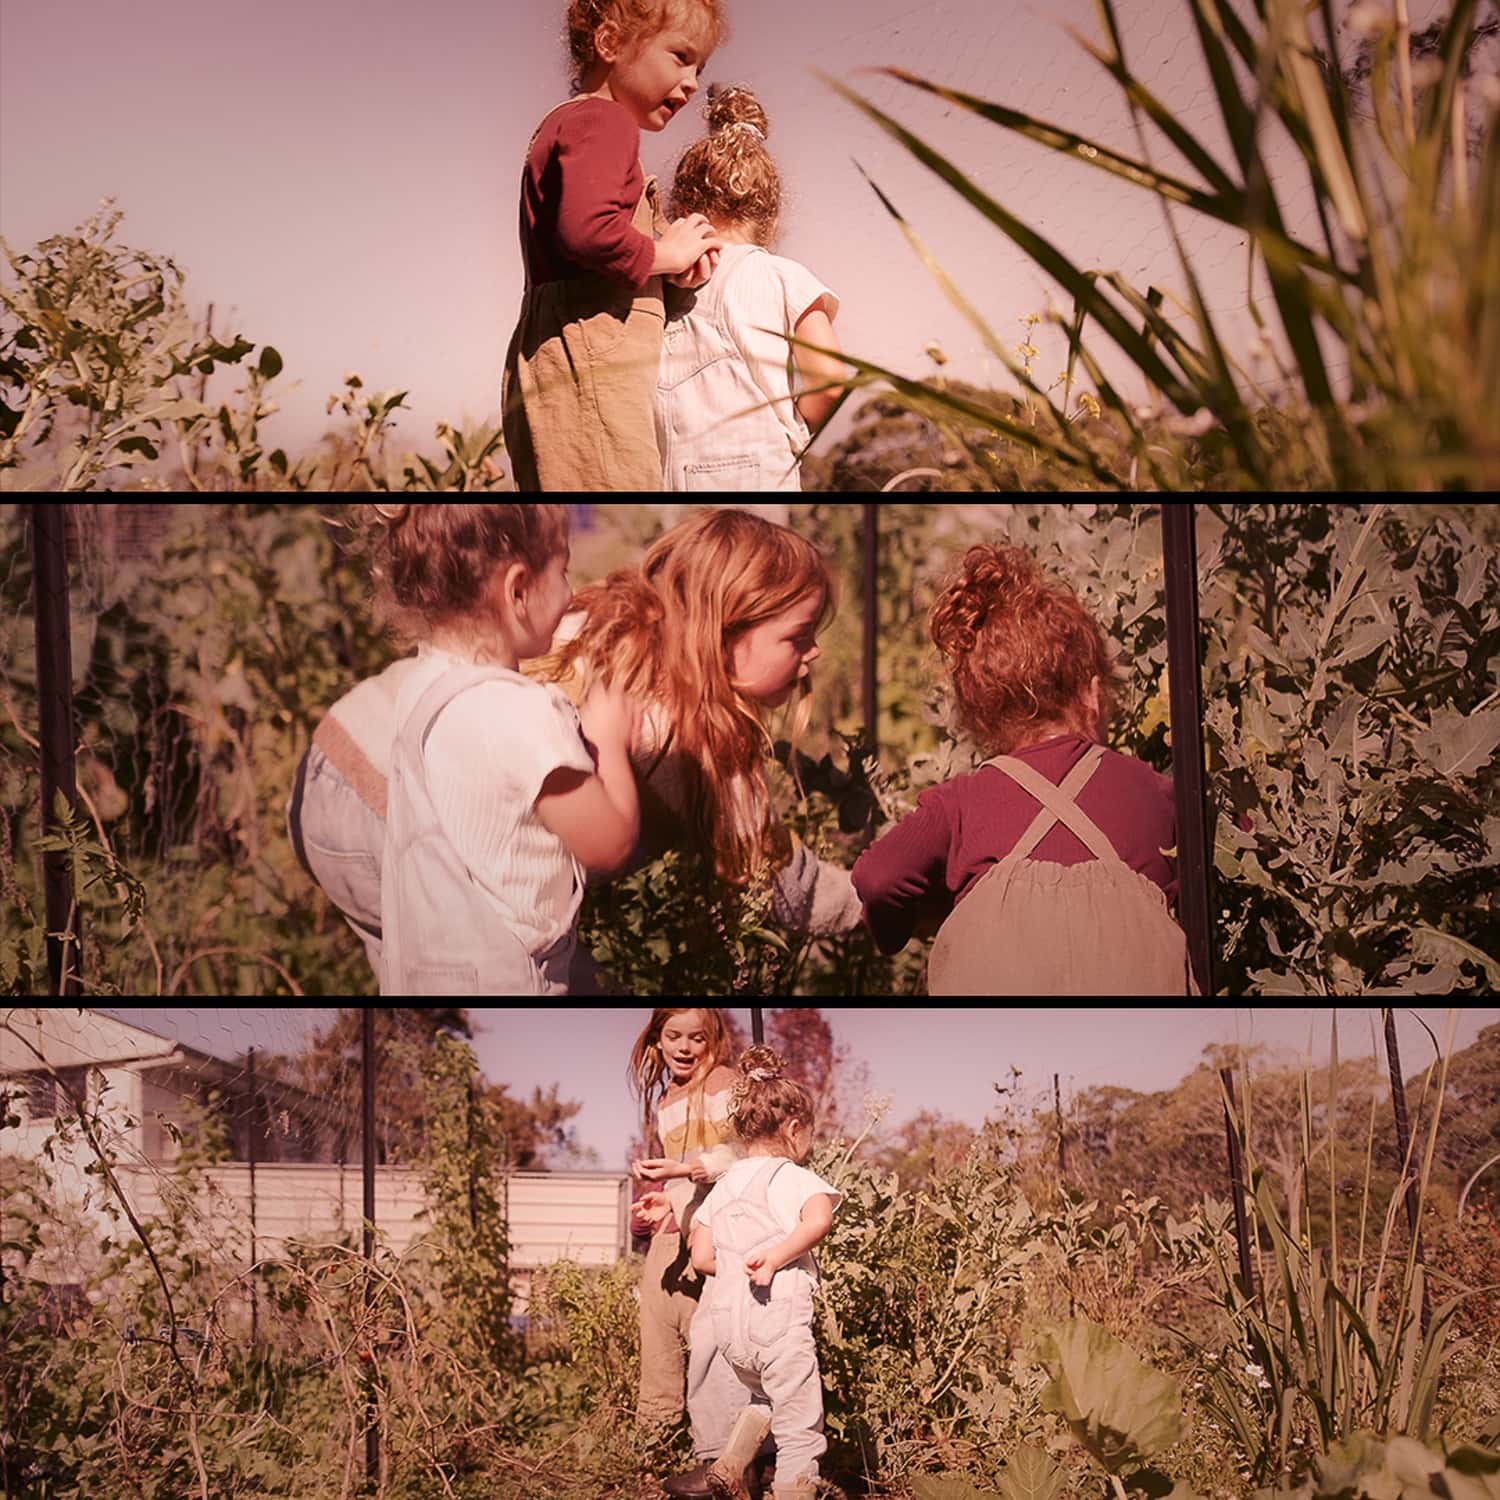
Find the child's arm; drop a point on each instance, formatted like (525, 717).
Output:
(816, 327)
(702, 1249)
(816, 1220)
(598, 817)
(902, 878)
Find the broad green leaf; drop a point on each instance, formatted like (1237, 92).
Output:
(948, 1487)
(1031, 1474)
(1428, 945)
(1120, 1408)
(1459, 744)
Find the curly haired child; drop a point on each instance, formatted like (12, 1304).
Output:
(1050, 868)
(581, 367)
(754, 1235)
(727, 417)
(494, 806)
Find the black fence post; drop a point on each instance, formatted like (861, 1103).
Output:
(254, 1235)
(367, 1101)
(757, 1025)
(871, 541)
(1185, 662)
(1403, 1144)
(54, 688)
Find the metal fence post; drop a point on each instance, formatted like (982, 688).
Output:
(254, 1251)
(1403, 1145)
(1185, 664)
(757, 1025)
(871, 541)
(367, 1057)
(54, 689)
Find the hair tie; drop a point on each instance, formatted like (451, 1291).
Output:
(754, 130)
(762, 1075)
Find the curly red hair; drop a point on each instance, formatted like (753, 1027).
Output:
(1021, 652)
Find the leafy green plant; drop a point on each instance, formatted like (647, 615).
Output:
(1399, 284)
(99, 360)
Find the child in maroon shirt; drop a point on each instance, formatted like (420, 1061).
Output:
(579, 386)
(1032, 680)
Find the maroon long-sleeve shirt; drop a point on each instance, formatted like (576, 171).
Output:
(579, 190)
(935, 856)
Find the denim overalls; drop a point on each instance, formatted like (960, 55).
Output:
(766, 1333)
(709, 437)
(442, 935)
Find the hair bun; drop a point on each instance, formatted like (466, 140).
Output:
(762, 1065)
(731, 105)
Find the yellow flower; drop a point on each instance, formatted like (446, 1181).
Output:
(1090, 403)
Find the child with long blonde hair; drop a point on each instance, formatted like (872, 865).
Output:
(717, 627)
(729, 413)
(679, 1070)
(1050, 867)
(581, 367)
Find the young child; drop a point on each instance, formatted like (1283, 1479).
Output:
(679, 1069)
(754, 1234)
(494, 805)
(717, 626)
(579, 373)
(721, 587)
(726, 417)
(1051, 862)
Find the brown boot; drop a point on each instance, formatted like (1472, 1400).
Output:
(726, 1479)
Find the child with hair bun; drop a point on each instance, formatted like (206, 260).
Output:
(1050, 868)
(728, 412)
(579, 373)
(754, 1235)
(494, 804)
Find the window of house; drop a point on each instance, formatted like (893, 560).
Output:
(49, 1095)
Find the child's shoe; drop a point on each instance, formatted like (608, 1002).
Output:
(726, 1477)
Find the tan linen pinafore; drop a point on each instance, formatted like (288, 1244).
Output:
(1032, 927)
(577, 396)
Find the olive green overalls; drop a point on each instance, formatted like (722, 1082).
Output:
(577, 396)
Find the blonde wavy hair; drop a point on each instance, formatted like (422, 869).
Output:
(637, 21)
(666, 630)
(729, 175)
(649, 1074)
(765, 1101)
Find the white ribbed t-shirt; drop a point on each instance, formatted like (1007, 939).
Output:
(487, 758)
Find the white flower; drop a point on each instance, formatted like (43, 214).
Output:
(1255, 1370)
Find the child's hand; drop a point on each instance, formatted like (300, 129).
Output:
(691, 279)
(611, 717)
(650, 1211)
(684, 242)
(760, 1268)
(656, 1169)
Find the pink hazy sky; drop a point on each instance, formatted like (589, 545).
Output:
(923, 1057)
(341, 179)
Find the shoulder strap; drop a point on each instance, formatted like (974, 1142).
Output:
(1059, 806)
(442, 692)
